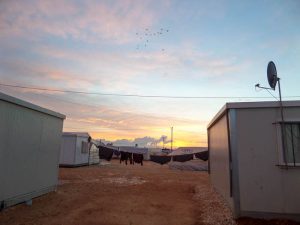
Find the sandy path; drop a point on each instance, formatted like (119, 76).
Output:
(117, 195)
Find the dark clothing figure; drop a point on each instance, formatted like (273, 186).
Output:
(202, 155)
(125, 156)
(130, 157)
(138, 158)
(105, 153)
(183, 158)
(117, 153)
(161, 159)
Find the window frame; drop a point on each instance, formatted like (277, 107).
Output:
(281, 153)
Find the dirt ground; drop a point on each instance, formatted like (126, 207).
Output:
(115, 194)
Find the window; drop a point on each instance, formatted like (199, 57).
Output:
(292, 142)
(84, 147)
(290, 132)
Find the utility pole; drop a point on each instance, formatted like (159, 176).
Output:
(171, 138)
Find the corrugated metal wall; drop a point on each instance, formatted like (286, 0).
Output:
(67, 150)
(29, 151)
(265, 187)
(219, 158)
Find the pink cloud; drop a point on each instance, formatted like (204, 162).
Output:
(100, 115)
(88, 20)
(107, 122)
(115, 65)
(43, 75)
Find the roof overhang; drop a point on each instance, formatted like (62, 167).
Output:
(17, 101)
(76, 134)
(251, 105)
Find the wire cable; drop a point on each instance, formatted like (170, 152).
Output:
(137, 95)
(272, 95)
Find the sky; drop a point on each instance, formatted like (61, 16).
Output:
(150, 48)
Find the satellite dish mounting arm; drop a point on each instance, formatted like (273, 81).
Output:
(258, 86)
(273, 79)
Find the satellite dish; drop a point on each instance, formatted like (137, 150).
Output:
(272, 74)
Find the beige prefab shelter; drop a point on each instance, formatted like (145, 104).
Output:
(75, 149)
(30, 139)
(250, 165)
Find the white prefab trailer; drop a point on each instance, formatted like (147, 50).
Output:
(30, 138)
(249, 166)
(74, 149)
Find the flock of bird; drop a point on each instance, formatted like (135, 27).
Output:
(146, 36)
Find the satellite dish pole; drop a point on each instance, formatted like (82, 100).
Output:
(282, 126)
(273, 79)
